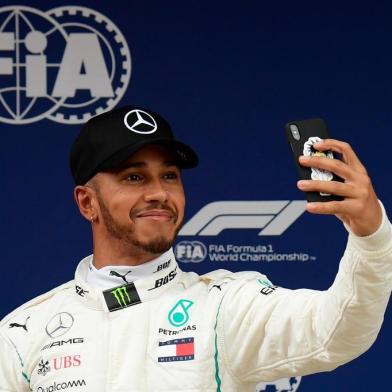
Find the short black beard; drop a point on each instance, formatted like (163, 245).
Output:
(126, 235)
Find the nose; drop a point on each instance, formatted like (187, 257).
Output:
(156, 192)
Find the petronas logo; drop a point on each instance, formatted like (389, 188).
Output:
(121, 295)
(178, 315)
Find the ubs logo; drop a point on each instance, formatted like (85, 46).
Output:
(65, 362)
(67, 64)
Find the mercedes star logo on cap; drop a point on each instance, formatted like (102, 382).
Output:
(60, 324)
(140, 122)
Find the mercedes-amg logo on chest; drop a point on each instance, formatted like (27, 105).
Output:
(59, 325)
(140, 122)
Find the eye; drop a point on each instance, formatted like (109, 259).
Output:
(171, 176)
(133, 177)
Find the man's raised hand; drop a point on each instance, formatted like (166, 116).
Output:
(360, 209)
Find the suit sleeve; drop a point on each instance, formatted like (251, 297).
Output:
(266, 333)
(12, 378)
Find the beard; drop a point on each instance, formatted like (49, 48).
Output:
(157, 245)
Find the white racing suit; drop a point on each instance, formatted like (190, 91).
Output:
(177, 331)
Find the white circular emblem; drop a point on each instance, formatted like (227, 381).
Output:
(140, 122)
(60, 324)
(66, 64)
(282, 385)
(190, 251)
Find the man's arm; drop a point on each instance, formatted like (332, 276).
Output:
(270, 334)
(266, 334)
(12, 378)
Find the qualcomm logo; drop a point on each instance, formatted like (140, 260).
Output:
(67, 64)
(282, 385)
(273, 217)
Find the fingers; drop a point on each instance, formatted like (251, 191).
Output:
(329, 187)
(348, 154)
(330, 207)
(360, 189)
(333, 165)
(345, 168)
(359, 209)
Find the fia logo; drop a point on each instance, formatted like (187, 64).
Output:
(67, 64)
(190, 251)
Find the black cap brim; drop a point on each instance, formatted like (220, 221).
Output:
(186, 158)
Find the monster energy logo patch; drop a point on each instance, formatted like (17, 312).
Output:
(120, 294)
(121, 297)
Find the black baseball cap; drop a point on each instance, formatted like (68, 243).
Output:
(110, 138)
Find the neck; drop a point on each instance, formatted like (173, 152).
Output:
(113, 253)
(115, 275)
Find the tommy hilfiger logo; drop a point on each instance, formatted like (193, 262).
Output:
(176, 350)
(121, 297)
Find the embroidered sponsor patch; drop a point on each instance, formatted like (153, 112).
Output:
(121, 297)
(178, 315)
(176, 350)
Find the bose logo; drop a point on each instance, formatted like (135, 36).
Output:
(273, 217)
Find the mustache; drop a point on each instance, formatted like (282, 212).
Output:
(155, 206)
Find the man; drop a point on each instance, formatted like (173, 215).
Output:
(133, 321)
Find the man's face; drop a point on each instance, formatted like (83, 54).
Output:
(142, 204)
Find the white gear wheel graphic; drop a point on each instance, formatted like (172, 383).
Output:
(20, 116)
(111, 28)
(23, 102)
(284, 384)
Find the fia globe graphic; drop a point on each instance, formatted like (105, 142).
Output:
(67, 64)
(190, 251)
(282, 385)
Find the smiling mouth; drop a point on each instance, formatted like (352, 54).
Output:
(156, 215)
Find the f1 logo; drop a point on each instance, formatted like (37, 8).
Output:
(273, 216)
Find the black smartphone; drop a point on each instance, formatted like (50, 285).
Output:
(302, 135)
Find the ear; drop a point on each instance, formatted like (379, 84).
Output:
(86, 200)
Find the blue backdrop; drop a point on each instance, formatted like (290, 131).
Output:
(228, 75)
